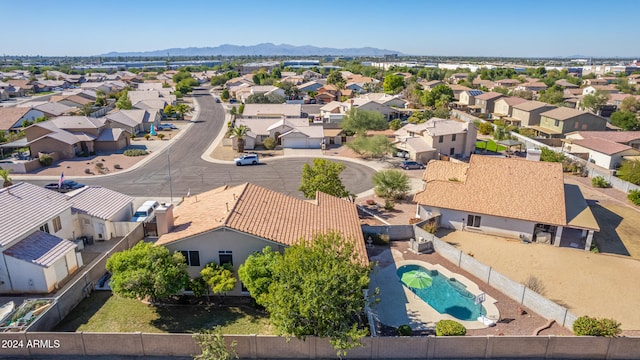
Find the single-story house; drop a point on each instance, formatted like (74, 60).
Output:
(507, 197)
(227, 224)
(98, 211)
(11, 117)
(606, 149)
(271, 111)
(288, 132)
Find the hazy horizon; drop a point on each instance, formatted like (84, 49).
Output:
(544, 29)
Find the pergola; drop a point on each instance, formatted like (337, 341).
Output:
(509, 143)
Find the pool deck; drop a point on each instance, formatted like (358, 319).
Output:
(400, 306)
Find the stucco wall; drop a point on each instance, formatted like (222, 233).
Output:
(491, 225)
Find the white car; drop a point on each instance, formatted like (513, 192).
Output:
(250, 159)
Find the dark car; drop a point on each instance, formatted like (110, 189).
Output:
(408, 165)
(67, 185)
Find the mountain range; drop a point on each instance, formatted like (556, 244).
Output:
(265, 49)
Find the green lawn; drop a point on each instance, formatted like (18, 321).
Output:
(491, 146)
(104, 312)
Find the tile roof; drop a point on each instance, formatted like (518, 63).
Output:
(439, 170)
(489, 96)
(98, 202)
(499, 187)
(26, 206)
(40, 248)
(530, 105)
(267, 214)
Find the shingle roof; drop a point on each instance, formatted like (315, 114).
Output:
(562, 113)
(98, 202)
(26, 206)
(110, 134)
(40, 248)
(512, 100)
(75, 122)
(9, 116)
(55, 109)
(602, 146)
(489, 96)
(288, 110)
(267, 214)
(498, 187)
(617, 136)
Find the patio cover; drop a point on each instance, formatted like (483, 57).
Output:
(579, 215)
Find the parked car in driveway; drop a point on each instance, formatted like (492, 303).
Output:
(250, 159)
(409, 165)
(166, 127)
(67, 185)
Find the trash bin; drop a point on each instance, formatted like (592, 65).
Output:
(89, 240)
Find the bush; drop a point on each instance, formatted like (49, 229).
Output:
(450, 328)
(431, 227)
(135, 152)
(117, 166)
(87, 171)
(160, 136)
(132, 136)
(634, 196)
(99, 165)
(588, 326)
(269, 143)
(600, 182)
(45, 160)
(389, 205)
(485, 128)
(404, 330)
(147, 136)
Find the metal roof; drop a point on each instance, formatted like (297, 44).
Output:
(40, 248)
(25, 207)
(98, 202)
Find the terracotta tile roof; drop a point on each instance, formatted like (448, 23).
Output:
(508, 188)
(267, 214)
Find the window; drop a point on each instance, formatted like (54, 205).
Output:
(576, 125)
(452, 151)
(556, 123)
(584, 126)
(473, 221)
(57, 225)
(453, 137)
(440, 138)
(225, 257)
(45, 228)
(192, 258)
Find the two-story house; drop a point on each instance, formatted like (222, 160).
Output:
(503, 107)
(435, 137)
(485, 102)
(528, 113)
(562, 120)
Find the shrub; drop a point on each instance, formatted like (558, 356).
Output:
(405, 330)
(389, 205)
(431, 227)
(160, 136)
(600, 182)
(269, 143)
(535, 284)
(588, 326)
(485, 128)
(45, 160)
(147, 136)
(117, 166)
(634, 196)
(135, 152)
(132, 136)
(87, 171)
(414, 220)
(450, 328)
(99, 165)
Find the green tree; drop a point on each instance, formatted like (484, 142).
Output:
(359, 121)
(257, 274)
(239, 133)
(213, 346)
(439, 93)
(391, 184)
(552, 96)
(335, 78)
(551, 156)
(186, 86)
(181, 75)
(628, 121)
(219, 278)
(233, 112)
(630, 171)
(393, 84)
(4, 175)
(373, 146)
(169, 110)
(593, 102)
(241, 108)
(183, 109)
(303, 297)
(630, 104)
(123, 102)
(395, 124)
(147, 271)
(323, 175)
(501, 89)
(225, 95)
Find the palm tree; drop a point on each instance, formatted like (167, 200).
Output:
(4, 174)
(182, 109)
(239, 132)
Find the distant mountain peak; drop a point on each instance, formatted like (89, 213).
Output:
(264, 49)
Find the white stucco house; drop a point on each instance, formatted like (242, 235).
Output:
(35, 228)
(288, 133)
(606, 149)
(227, 224)
(507, 197)
(100, 212)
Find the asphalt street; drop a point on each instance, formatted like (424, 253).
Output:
(189, 171)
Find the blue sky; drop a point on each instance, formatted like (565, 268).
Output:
(421, 27)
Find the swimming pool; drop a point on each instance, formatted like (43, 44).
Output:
(446, 296)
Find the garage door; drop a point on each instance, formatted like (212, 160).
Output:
(294, 143)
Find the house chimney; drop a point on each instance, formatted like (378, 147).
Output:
(164, 218)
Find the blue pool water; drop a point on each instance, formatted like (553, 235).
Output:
(446, 296)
